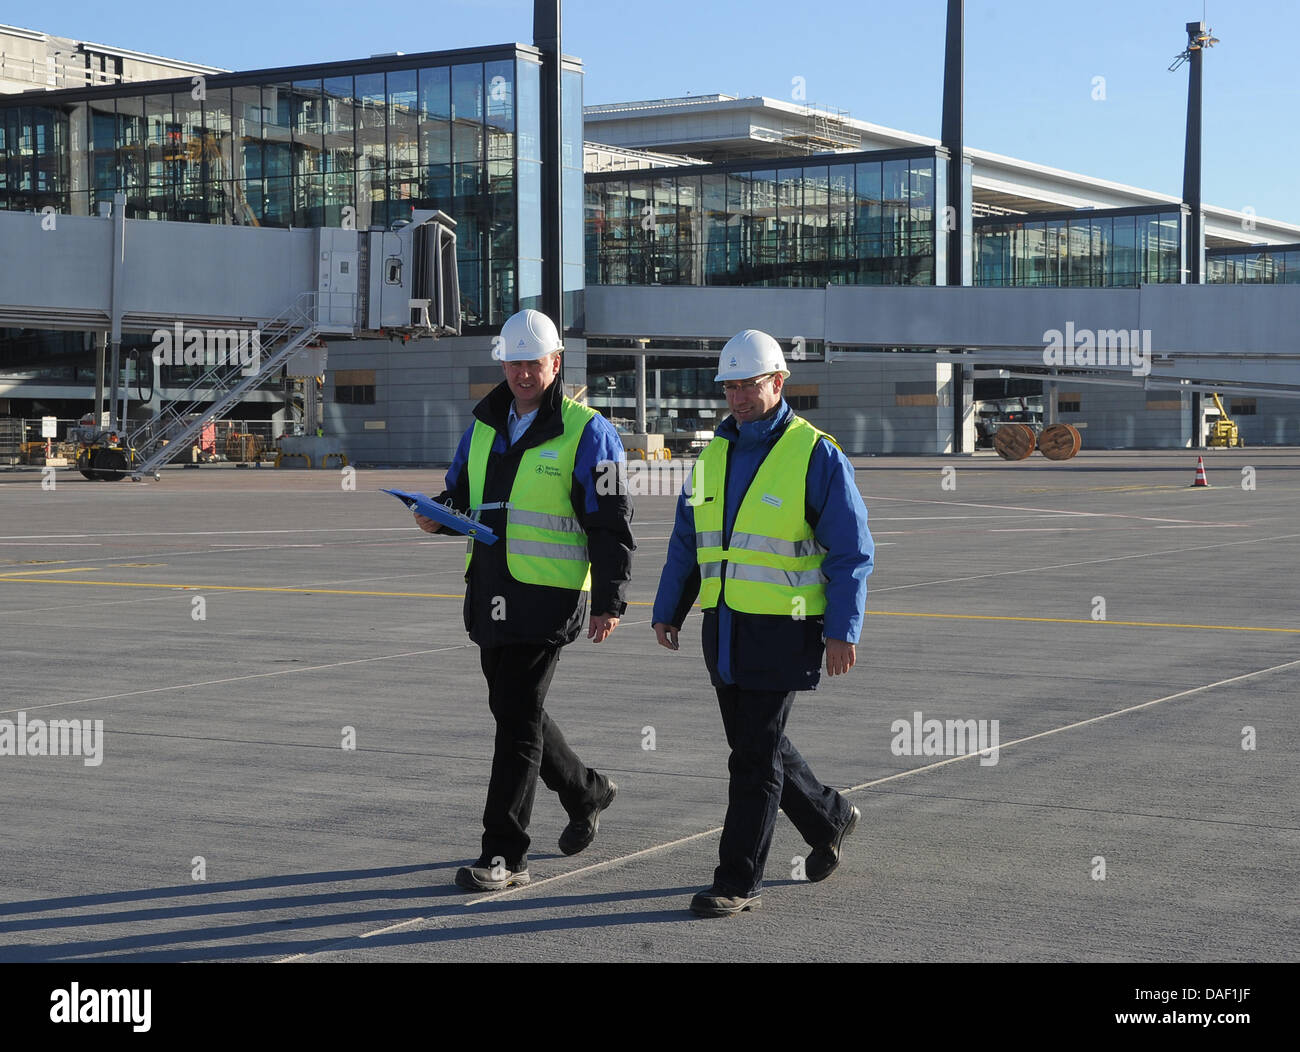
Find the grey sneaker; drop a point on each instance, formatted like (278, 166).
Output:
(824, 860)
(712, 902)
(484, 876)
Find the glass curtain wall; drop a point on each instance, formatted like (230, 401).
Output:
(865, 220)
(1112, 248)
(571, 190)
(34, 162)
(355, 149)
(1274, 265)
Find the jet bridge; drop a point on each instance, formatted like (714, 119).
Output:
(236, 301)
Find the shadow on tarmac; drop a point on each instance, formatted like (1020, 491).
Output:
(180, 942)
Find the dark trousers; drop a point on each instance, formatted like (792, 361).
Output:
(767, 772)
(527, 743)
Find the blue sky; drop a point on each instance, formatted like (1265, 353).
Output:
(1030, 67)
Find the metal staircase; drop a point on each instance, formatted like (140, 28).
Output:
(220, 388)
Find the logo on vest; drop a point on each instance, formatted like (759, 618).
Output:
(547, 470)
(769, 499)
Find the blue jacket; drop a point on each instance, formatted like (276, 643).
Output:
(765, 651)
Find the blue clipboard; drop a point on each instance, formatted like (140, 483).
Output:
(446, 516)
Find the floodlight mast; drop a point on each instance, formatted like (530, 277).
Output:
(1198, 40)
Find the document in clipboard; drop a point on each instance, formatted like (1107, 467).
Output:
(444, 515)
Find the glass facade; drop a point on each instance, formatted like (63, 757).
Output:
(1113, 248)
(1260, 265)
(356, 144)
(847, 219)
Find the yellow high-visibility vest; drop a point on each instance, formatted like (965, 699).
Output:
(772, 563)
(545, 542)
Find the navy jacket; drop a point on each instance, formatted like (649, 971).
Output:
(539, 613)
(771, 651)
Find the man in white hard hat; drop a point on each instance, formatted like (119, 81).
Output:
(771, 533)
(527, 469)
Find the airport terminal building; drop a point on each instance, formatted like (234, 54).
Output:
(681, 221)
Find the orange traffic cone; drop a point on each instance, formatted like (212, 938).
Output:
(1201, 480)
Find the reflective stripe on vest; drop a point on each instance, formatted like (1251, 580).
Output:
(773, 561)
(545, 542)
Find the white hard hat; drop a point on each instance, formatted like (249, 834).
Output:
(525, 337)
(748, 354)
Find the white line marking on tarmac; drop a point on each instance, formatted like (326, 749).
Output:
(852, 789)
(1078, 723)
(82, 606)
(1016, 507)
(1045, 529)
(1204, 526)
(509, 891)
(237, 679)
(1083, 562)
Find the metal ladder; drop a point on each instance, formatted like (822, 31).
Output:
(225, 384)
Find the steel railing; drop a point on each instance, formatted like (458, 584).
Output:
(222, 386)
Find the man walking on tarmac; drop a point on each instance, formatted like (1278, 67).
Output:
(771, 533)
(527, 469)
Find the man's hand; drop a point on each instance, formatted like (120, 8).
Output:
(666, 634)
(840, 657)
(426, 524)
(601, 626)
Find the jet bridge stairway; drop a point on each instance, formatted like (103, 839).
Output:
(222, 386)
(409, 287)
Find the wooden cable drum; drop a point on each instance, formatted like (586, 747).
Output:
(1014, 441)
(1060, 441)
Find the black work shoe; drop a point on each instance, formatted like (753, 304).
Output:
(824, 860)
(484, 876)
(714, 903)
(581, 831)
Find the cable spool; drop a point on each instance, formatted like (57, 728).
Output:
(1060, 441)
(1014, 441)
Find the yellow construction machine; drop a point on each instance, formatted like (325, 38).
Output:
(1223, 431)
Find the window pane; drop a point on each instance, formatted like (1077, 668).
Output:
(571, 119)
(403, 123)
(372, 123)
(530, 205)
(338, 124)
(814, 231)
(868, 210)
(529, 110)
(339, 193)
(435, 116)
(501, 194)
(467, 113)
(500, 109)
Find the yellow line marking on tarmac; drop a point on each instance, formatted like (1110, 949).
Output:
(634, 602)
(656, 848)
(234, 587)
(70, 569)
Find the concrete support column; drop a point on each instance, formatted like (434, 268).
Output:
(640, 394)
